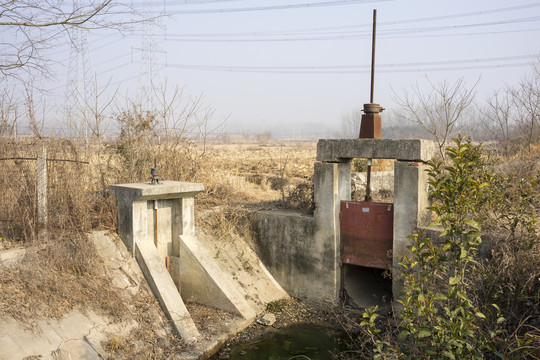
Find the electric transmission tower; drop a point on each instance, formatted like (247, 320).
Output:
(150, 74)
(81, 87)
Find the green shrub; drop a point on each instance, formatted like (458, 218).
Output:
(438, 318)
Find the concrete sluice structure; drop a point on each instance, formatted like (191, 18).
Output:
(294, 253)
(304, 252)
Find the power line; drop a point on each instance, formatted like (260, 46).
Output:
(420, 70)
(108, 61)
(462, 26)
(351, 36)
(104, 71)
(349, 69)
(344, 35)
(352, 69)
(368, 25)
(459, 15)
(277, 7)
(354, 34)
(115, 68)
(460, 34)
(187, 3)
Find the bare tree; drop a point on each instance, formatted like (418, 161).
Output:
(185, 116)
(35, 124)
(511, 116)
(8, 113)
(498, 118)
(526, 96)
(438, 108)
(350, 124)
(33, 26)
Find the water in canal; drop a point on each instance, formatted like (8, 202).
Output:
(298, 341)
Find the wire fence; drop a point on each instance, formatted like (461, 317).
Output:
(36, 180)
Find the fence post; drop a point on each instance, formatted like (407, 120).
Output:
(42, 193)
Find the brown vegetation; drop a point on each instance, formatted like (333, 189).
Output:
(62, 271)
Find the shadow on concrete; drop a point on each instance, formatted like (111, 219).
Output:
(366, 287)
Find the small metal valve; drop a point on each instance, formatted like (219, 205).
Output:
(156, 178)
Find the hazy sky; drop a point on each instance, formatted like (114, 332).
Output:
(297, 66)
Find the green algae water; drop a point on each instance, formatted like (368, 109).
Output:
(299, 341)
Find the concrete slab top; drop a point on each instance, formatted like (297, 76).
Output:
(163, 190)
(339, 150)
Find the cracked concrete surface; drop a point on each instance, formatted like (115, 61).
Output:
(76, 336)
(79, 334)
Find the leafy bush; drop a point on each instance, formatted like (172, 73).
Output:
(454, 304)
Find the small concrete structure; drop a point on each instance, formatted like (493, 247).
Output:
(157, 224)
(303, 251)
(173, 200)
(151, 219)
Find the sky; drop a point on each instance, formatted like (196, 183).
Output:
(296, 67)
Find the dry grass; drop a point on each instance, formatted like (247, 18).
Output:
(62, 271)
(54, 278)
(147, 340)
(252, 173)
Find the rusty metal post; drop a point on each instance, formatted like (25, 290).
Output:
(373, 55)
(368, 181)
(341, 285)
(370, 127)
(155, 224)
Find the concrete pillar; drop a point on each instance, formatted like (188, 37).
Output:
(42, 194)
(187, 214)
(332, 183)
(410, 213)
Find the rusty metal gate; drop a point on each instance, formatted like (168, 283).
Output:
(367, 231)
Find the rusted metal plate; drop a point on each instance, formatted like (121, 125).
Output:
(367, 230)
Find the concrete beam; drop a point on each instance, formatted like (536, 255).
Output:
(163, 190)
(342, 150)
(202, 279)
(165, 291)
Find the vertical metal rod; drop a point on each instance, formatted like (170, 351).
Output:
(368, 181)
(155, 224)
(341, 285)
(373, 55)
